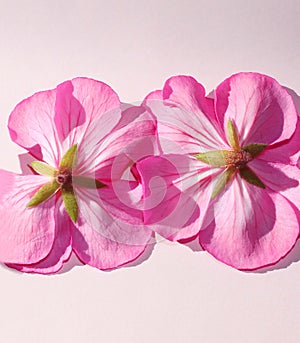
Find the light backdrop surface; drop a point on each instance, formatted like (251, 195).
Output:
(176, 294)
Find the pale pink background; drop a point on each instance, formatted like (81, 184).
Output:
(176, 295)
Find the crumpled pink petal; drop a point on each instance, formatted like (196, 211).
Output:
(252, 227)
(261, 109)
(26, 234)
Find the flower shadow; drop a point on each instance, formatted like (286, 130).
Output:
(294, 255)
(192, 243)
(295, 97)
(145, 255)
(72, 262)
(291, 257)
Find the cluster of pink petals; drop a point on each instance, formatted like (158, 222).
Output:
(107, 233)
(248, 223)
(221, 168)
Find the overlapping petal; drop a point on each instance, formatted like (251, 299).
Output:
(176, 192)
(93, 248)
(252, 227)
(60, 251)
(113, 211)
(286, 152)
(109, 233)
(190, 94)
(186, 117)
(261, 109)
(26, 234)
(106, 214)
(279, 177)
(31, 126)
(132, 136)
(48, 123)
(79, 103)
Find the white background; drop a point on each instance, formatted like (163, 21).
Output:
(175, 295)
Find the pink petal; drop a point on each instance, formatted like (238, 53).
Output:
(252, 228)
(279, 177)
(190, 94)
(261, 109)
(122, 199)
(31, 126)
(61, 249)
(26, 234)
(96, 249)
(176, 194)
(287, 152)
(79, 102)
(24, 161)
(155, 95)
(108, 215)
(50, 122)
(186, 118)
(133, 137)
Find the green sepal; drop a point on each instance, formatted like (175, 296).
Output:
(44, 193)
(43, 168)
(70, 203)
(232, 136)
(255, 149)
(250, 177)
(87, 182)
(69, 158)
(221, 183)
(215, 158)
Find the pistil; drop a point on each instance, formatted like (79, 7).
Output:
(238, 159)
(64, 178)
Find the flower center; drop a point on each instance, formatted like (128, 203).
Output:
(64, 178)
(238, 159)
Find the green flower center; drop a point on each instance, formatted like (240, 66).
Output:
(63, 180)
(234, 161)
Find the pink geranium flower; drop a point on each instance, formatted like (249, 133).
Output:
(235, 161)
(75, 133)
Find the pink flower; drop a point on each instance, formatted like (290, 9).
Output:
(76, 133)
(235, 160)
